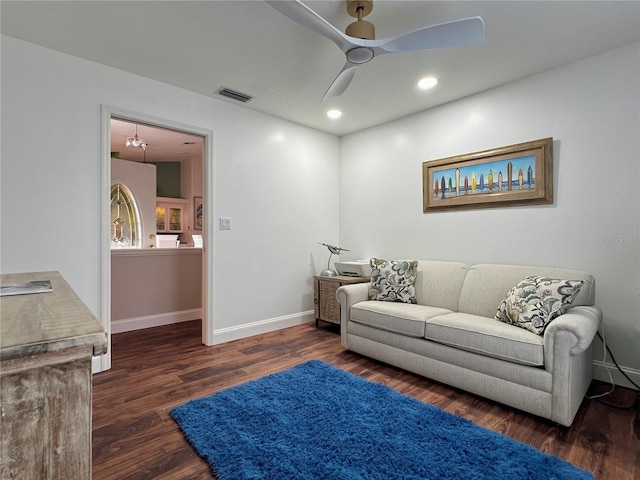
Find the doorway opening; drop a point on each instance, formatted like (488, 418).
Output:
(135, 293)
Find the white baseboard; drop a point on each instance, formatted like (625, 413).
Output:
(600, 373)
(148, 321)
(97, 364)
(229, 334)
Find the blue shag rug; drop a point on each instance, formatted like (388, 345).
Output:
(317, 422)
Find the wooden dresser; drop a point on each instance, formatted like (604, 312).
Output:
(46, 344)
(326, 305)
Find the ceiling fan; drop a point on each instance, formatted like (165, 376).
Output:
(359, 43)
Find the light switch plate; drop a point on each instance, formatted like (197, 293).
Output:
(225, 223)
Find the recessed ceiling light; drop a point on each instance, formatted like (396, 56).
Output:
(427, 82)
(334, 114)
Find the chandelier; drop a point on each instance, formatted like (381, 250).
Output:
(136, 142)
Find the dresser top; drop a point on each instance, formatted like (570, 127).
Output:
(37, 323)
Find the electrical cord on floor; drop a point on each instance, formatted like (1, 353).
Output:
(613, 386)
(616, 363)
(604, 360)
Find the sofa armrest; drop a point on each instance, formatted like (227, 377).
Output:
(580, 322)
(348, 295)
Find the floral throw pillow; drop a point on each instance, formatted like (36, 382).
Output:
(535, 301)
(393, 280)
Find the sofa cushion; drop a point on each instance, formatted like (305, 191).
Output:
(486, 336)
(535, 301)
(486, 285)
(393, 280)
(438, 283)
(403, 319)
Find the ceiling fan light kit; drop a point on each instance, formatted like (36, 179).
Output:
(360, 46)
(360, 55)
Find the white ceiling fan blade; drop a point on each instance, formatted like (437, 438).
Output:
(300, 13)
(342, 81)
(466, 31)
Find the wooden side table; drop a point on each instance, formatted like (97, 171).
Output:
(326, 306)
(48, 340)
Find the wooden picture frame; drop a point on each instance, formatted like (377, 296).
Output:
(520, 174)
(197, 213)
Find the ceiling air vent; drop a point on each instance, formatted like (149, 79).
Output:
(234, 94)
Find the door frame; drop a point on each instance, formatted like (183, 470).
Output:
(103, 362)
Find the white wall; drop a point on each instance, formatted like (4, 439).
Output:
(592, 110)
(277, 180)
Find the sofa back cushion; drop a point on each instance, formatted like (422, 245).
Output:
(486, 285)
(438, 284)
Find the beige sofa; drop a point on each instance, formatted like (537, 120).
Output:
(451, 336)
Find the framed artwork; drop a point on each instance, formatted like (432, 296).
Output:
(520, 174)
(197, 213)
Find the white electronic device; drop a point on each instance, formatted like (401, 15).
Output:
(167, 241)
(358, 268)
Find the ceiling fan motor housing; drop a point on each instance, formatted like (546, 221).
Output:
(361, 29)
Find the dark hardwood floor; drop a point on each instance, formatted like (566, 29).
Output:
(155, 369)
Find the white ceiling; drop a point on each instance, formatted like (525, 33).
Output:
(163, 145)
(251, 47)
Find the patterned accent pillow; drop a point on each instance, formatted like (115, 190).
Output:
(393, 280)
(535, 301)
